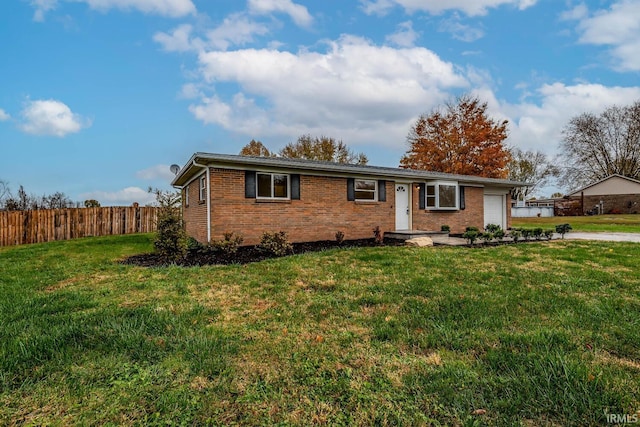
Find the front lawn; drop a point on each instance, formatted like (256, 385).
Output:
(533, 334)
(607, 223)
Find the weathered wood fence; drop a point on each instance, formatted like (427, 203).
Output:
(21, 227)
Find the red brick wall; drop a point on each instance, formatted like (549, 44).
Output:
(322, 210)
(195, 215)
(432, 220)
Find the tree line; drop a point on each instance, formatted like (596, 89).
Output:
(23, 201)
(461, 138)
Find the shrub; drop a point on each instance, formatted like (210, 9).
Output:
(472, 229)
(515, 234)
(378, 235)
(471, 235)
(275, 243)
(499, 235)
(486, 236)
(171, 238)
(563, 229)
(339, 237)
(526, 233)
(229, 244)
(492, 228)
(548, 234)
(193, 244)
(445, 228)
(537, 233)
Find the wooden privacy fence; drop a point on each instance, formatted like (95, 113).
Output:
(21, 227)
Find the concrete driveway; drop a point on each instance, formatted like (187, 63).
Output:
(611, 237)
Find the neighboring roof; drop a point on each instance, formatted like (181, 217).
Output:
(615, 175)
(195, 163)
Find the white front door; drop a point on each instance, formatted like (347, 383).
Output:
(402, 206)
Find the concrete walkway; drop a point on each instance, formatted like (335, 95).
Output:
(445, 240)
(611, 237)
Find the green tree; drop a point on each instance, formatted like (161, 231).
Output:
(323, 148)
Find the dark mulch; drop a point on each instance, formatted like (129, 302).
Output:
(247, 254)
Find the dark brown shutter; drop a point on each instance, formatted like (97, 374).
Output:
(250, 184)
(295, 187)
(351, 189)
(382, 190)
(422, 195)
(462, 205)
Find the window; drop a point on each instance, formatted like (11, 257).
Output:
(273, 186)
(441, 195)
(186, 196)
(366, 189)
(203, 188)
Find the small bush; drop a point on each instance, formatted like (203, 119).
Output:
(526, 233)
(486, 237)
(275, 243)
(476, 229)
(378, 235)
(193, 244)
(339, 237)
(515, 234)
(445, 228)
(471, 235)
(537, 233)
(548, 234)
(228, 245)
(563, 229)
(171, 238)
(492, 228)
(499, 235)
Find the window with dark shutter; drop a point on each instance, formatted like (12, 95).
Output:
(422, 194)
(462, 205)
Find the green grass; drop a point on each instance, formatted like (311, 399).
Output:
(533, 334)
(607, 223)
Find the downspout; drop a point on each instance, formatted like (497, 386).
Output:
(208, 198)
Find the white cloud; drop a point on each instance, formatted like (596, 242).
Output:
(298, 13)
(617, 27)
(355, 90)
(124, 197)
(406, 36)
(160, 172)
(235, 30)
(170, 8)
(51, 117)
(460, 31)
(179, 40)
(469, 7)
(538, 125)
(4, 116)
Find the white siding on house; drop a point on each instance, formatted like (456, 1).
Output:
(611, 186)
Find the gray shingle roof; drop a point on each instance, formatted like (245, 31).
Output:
(302, 165)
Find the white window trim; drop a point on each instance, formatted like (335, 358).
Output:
(272, 197)
(203, 188)
(437, 185)
(375, 190)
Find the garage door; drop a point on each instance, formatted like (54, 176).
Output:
(494, 210)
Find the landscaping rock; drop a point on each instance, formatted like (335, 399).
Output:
(419, 241)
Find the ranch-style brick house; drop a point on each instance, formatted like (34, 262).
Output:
(312, 200)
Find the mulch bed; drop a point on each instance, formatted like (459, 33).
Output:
(247, 254)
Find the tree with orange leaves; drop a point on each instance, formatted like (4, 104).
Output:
(459, 139)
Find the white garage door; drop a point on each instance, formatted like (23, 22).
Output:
(494, 210)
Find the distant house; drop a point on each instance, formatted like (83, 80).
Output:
(312, 200)
(613, 194)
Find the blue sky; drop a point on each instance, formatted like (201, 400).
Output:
(99, 97)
